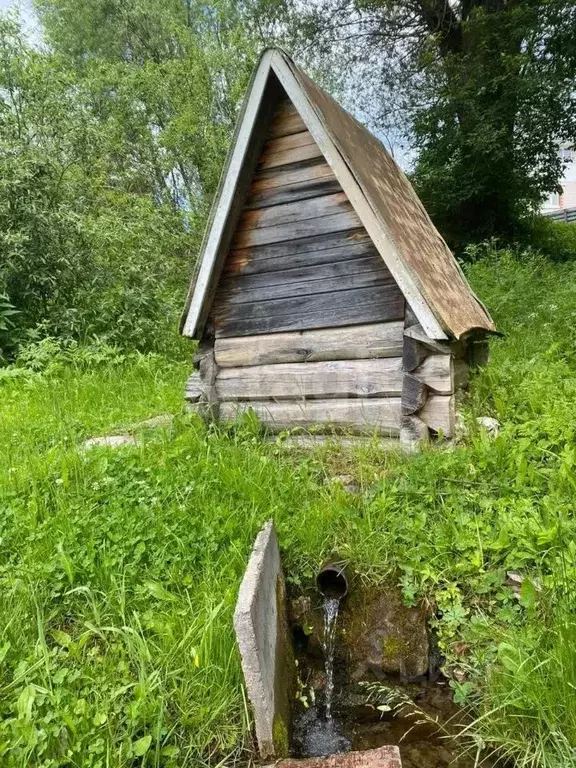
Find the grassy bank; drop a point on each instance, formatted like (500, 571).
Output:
(119, 570)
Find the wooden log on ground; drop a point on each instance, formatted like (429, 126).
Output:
(355, 342)
(365, 416)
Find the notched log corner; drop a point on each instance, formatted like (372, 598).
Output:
(414, 394)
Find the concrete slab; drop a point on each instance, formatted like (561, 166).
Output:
(383, 757)
(261, 626)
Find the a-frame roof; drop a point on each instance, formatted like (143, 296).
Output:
(383, 198)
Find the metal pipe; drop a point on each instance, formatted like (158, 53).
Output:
(332, 580)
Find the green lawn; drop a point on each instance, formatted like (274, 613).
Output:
(119, 569)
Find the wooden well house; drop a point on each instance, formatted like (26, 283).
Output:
(323, 296)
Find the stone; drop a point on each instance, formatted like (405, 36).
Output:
(492, 426)
(383, 757)
(261, 627)
(110, 441)
(163, 420)
(382, 636)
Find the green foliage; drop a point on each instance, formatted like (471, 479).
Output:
(555, 239)
(500, 101)
(109, 156)
(525, 704)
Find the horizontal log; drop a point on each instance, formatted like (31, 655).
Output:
(299, 210)
(309, 442)
(291, 174)
(341, 378)
(439, 413)
(378, 415)
(318, 249)
(288, 156)
(349, 343)
(339, 222)
(353, 307)
(355, 273)
(303, 190)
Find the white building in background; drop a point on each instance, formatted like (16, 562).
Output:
(567, 198)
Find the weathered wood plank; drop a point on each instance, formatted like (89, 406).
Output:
(300, 210)
(327, 278)
(284, 125)
(339, 246)
(293, 174)
(359, 305)
(304, 190)
(380, 377)
(339, 222)
(302, 139)
(377, 415)
(289, 156)
(238, 265)
(439, 414)
(355, 264)
(414, 394)
(349, 343)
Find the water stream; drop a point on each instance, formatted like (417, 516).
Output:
(316, 734)
(331, 608)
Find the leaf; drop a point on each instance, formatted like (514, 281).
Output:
(158, 591)
(4, 650)
(62, 638)
(26, 702)
(142, 746)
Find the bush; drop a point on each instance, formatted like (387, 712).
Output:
(555, 239)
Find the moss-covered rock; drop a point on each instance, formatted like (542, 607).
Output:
(379, 633)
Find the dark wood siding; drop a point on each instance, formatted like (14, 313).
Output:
(300, 258)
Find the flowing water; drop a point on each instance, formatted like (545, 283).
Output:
(317, 735)
(331, 608)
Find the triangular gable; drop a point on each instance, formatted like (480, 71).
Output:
(380, 194)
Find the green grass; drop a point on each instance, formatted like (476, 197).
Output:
(119, 569)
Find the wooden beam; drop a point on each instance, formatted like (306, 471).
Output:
(377, 415)
(349, 343)
(338, 222)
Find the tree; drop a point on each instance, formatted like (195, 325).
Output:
(485, 88)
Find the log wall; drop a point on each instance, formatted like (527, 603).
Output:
(307, 326)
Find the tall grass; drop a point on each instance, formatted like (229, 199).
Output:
(526, 714)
